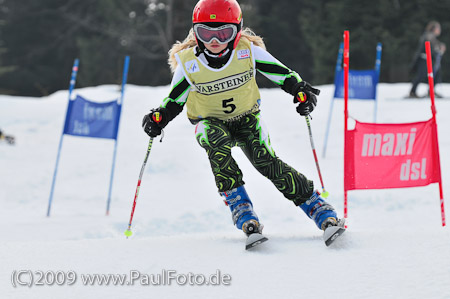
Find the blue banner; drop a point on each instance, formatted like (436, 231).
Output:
(361, 84)
(89, 119)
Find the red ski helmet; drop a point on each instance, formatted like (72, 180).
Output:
(219, 11)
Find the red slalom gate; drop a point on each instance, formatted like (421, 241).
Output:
(381, 156)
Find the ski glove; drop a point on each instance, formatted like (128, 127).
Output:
(305, 94)
(154, 122)
(308, 102)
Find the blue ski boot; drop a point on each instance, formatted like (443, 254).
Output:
(242, 210)
(320, 211)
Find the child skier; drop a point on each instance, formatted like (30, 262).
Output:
(214, 76)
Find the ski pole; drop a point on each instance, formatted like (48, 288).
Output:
(308, 123)
(156, 117)
(128, 232)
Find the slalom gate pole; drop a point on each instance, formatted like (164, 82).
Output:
(346, 69)
(308, 123)
(120, 102)
(73, 79)
(337, 70)
(377, 69)
(430, 76)
(128, 232)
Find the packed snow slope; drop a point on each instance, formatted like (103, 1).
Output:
(395, 246)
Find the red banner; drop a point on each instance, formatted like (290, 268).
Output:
(380, 156)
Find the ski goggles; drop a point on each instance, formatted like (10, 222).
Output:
(223, 34)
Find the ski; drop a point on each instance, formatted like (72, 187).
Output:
(332, 233)
(254, 240)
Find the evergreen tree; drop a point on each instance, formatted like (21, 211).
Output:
(40, 39)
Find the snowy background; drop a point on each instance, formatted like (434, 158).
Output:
(395, 246)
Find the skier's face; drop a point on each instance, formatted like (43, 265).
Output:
(437, 30)
(215, 47)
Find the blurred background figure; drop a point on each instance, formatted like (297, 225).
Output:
(8, 138)
(432, 31)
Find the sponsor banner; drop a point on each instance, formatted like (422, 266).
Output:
(89, 119)
(380, 156)
(362, 84)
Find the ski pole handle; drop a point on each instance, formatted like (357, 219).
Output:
(157, 117)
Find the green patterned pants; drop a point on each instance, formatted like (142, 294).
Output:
(217, 137)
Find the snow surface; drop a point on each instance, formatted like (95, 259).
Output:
(395, 246)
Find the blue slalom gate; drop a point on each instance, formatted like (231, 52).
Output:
(85, 118)
(362, 86)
